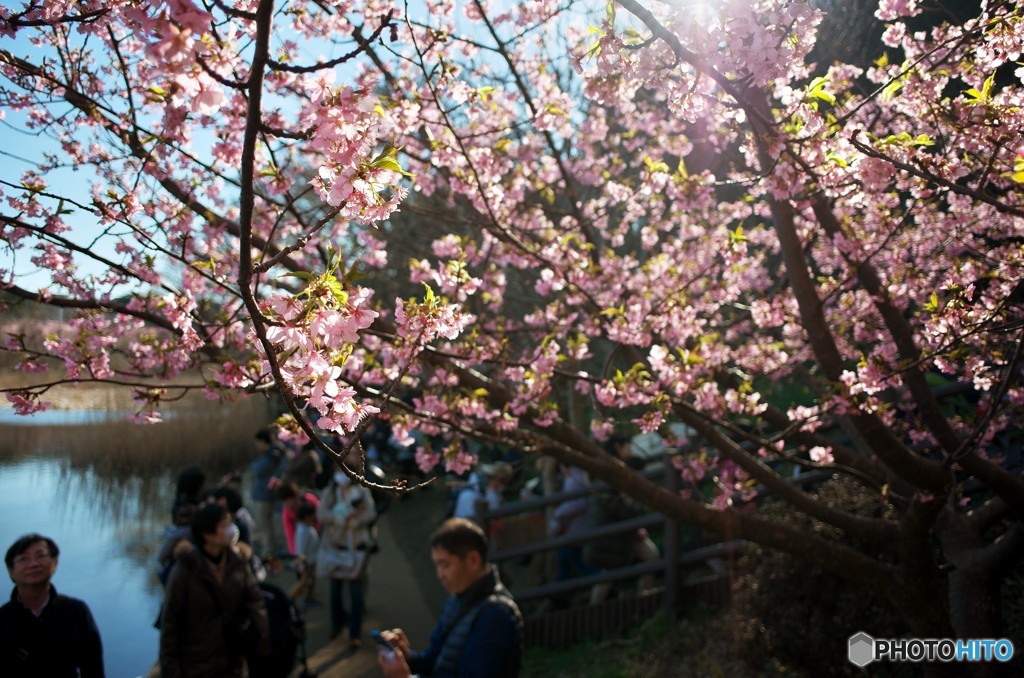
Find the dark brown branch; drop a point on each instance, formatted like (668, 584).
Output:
(46, 386)
(357, 34)
(278, 66)
(969, 443)
(899, 330)
(881, 533)
(227, 82)
(64, 242)
(570, 446)
(261, 50)
(231, 11)
(288, 134)
(935, 179)
(300, 242)
(16, 21)
(581, 219)
(112, 306)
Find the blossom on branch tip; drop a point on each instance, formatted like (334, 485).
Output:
(27, 402)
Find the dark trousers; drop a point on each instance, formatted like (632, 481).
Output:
(354, 616)
(570, 564)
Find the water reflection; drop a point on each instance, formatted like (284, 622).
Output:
(58, 417)
(103, 492)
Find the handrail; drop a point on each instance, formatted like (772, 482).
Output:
(646, 520)
(726, 548)
(535, 503)
(650, 521)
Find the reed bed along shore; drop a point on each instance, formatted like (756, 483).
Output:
(208, 433)
(195, 430)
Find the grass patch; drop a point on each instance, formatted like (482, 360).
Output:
(703, 644)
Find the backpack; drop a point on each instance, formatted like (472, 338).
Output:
(287, 632)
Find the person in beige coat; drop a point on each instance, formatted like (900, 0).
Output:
(346, 514)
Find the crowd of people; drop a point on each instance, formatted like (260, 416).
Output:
(310, 515)
(306, 519)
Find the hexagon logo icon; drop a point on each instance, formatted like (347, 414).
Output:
(862, 649)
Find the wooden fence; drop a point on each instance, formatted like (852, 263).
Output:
(568, 626)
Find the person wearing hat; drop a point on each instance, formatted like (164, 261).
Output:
(495, 476)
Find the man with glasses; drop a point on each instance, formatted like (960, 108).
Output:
(43, 633)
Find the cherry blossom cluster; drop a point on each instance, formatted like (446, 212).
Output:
(312, 335)
(347, 127)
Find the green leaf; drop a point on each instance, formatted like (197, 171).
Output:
(655, 165)
(837, 159)
(985, 95)
(336, 289)
(387, 163)
(817, 90)
(681, 169)
(387, 160)
(827, 97)
(305, 275)
(893, 88)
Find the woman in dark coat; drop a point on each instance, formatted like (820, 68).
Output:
(210, 591)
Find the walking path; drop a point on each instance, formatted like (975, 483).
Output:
(395, 598)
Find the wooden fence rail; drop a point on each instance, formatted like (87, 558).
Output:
(673, 562)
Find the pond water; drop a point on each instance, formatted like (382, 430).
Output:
(103, 492)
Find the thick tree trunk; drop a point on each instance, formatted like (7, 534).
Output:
(976, 612)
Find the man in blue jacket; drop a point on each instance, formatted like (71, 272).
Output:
(480, 630)
(42, 633)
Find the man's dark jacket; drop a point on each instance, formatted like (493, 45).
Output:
(60, 642)
(479, 633)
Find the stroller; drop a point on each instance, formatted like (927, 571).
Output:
(287, 637)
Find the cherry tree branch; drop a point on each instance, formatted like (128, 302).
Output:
(882, 533)
(581, 220)
(17, 21)
(933, 178)
(326, 65)
(260, 60)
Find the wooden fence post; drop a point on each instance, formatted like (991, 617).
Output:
(672, 551)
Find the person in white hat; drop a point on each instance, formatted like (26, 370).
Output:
(495, 477)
